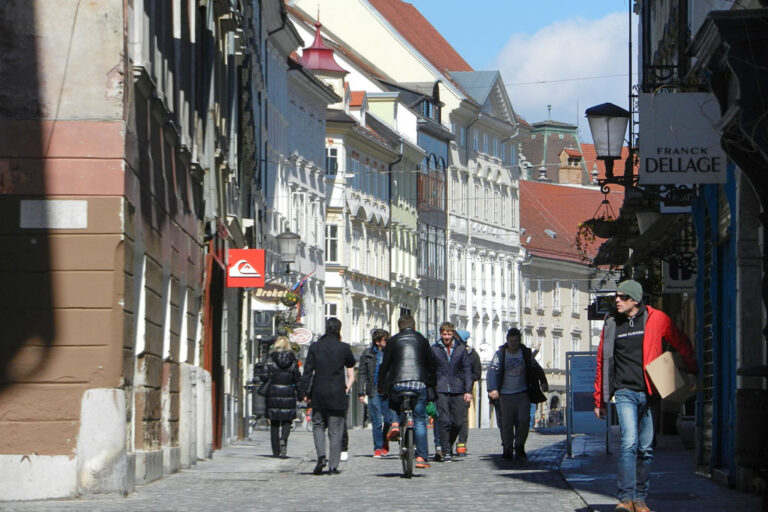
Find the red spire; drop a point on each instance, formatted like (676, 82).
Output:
(319, 57)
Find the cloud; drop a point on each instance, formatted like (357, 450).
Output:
(551, 67)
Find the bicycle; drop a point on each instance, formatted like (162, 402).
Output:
(407, 432)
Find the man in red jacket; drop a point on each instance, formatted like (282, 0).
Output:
(632, 338)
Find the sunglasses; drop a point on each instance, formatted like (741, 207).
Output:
(623, 296)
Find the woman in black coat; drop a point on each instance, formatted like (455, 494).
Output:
(282, 392)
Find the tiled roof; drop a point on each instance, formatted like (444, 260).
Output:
(356, 98)
(572, 152)
(559, 209)
(409, 22)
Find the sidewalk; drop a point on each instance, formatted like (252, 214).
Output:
(674, 484)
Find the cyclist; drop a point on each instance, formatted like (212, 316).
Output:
(408, 365)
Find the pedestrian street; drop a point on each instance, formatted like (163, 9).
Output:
(246, 477)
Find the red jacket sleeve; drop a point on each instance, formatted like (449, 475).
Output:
(682, 344)
(599, 399)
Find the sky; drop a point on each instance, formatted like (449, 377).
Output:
(570, 54)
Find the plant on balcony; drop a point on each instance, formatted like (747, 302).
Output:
(290, 299)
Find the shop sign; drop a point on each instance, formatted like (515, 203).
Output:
(246, 268)
(272, 292)
(301, 335)
(678, 142)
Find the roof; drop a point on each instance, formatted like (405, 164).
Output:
(356, 98)
(572, 152)
(318, 57)
(559, 209)
(420, 34)
(477, 83)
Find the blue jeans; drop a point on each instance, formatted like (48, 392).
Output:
(419, 420)
(636, 422)
(379, 410)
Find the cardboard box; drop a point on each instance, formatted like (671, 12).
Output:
(668, 376)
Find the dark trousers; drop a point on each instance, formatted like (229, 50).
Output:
(451, 414)
(464, 431)
(515, 417)
(333, 421)
(279, 431)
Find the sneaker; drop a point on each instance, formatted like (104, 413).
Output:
(461, 449)
(384, 452)
(385, 446)
(438, 455)
(344, 456)
(394, 432)
(421, 463)
(376, 454)
(447, 457)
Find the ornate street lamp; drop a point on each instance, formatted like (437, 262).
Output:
(287, 245)
(608, 124)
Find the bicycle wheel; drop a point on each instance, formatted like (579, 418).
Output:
(408, 452)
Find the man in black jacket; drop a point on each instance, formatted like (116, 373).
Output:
(368, 373)
(454, 386)
(516, 380)
(408, 365)
(328, 383)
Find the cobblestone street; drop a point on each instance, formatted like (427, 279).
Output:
(246, 477)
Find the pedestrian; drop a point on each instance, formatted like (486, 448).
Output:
(368, 372)
(408, 365)
(516, 380)
(477, 372)
(283, 390)
(453, 372)
(631, 338)
(329, 372)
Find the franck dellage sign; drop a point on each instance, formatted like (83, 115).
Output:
(678, 142)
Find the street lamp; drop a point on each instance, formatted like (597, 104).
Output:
(608, 124)
(287, 245)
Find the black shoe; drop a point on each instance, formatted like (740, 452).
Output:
(520, 453)
(321, 463)
(508, 455)
(334, 471)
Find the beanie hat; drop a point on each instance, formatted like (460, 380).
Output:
(463, 335)
(631, 288)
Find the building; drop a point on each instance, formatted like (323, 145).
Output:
(129, 176)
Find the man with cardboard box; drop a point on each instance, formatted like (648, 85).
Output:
(631, 339)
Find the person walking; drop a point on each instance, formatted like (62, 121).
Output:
(368, 372)
(477, 372)
(329, 372)
(408, 365)
(631, 338)
(453, 372)
(283, 390)
(516, 380)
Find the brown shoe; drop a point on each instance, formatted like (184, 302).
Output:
(625, 506)
(640, 506)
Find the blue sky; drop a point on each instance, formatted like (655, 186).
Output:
(570, 54)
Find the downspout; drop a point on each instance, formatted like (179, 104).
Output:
(391, 165)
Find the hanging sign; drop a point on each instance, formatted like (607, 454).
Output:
(679, 143)
(301, 335)
(246, 268)
(272, 292)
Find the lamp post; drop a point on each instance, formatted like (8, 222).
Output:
(287, 245)
(608, 124)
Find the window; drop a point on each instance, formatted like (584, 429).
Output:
(355, 170)
(453, 128)
(462, 136)
(331, 243)
(556, 351)
(477, 200)
(575, 298)
(556, 295)
(574, 344)
(526, 292)
(485, 143)
(331, 161)
(486, 204)
(539, 295)
(330, 310)
(476, 141)
(495, 147)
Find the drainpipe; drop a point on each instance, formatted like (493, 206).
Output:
(391, 165)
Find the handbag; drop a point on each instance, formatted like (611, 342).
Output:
(263, 389)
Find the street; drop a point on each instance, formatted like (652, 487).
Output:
(245, 477)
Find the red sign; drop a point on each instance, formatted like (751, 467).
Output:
(246, 268)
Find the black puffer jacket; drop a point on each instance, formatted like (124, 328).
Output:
(284, 386)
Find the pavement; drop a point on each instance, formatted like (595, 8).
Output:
(244, 476)
(674, 486)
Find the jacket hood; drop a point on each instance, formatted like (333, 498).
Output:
(283, 359)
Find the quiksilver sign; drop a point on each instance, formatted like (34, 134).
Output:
(678, 141)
